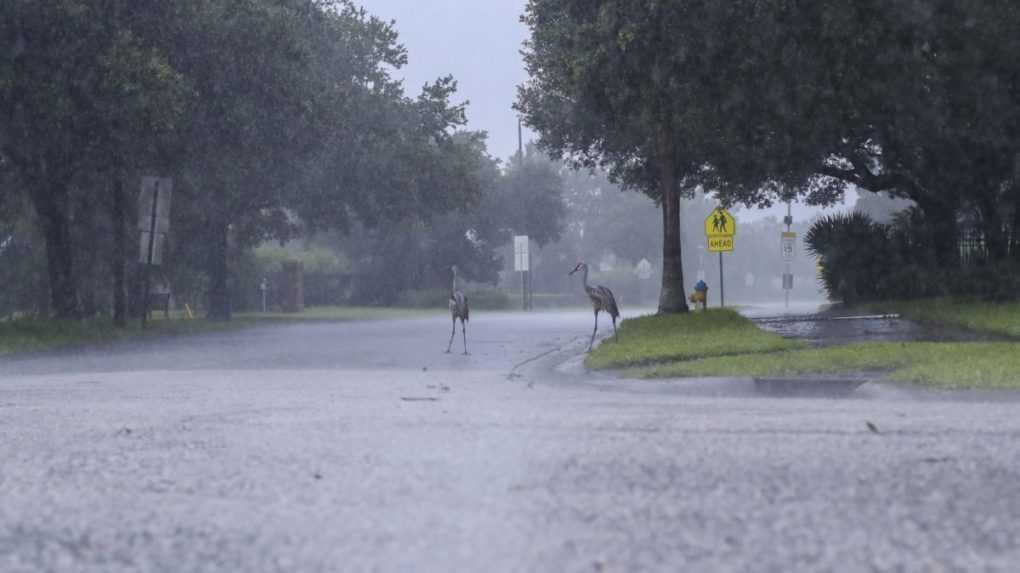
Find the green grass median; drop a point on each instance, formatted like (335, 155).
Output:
(721, 343)
(943, 364)
(662, 338)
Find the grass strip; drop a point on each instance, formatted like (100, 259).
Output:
(988, 365)
(994, 318)
(342, 314)
(33, 335)
(661, 338)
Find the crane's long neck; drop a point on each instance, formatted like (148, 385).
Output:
(453, 288)
(585, 269)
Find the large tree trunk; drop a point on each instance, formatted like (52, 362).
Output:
(52, 210)
(119, 263)
(671, 298)
(219, 291)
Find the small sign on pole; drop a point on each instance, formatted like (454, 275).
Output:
(158, 243)
(789, 246)
(159, 189)
(643, 269)
(720, 227)
(522, 264)
(521, 253)
(788, 281)
(154, 223)
(154, 218)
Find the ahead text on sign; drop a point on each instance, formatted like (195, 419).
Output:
(720, 244)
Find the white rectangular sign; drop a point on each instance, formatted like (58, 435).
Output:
(152, 187)
(789, 246)
(521, 253)
(157, 248)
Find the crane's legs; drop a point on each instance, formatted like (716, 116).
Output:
(452, 334)
(594, 332)
(463, 331)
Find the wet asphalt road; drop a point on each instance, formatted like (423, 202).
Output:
(362, 447)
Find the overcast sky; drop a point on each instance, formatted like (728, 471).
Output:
(478, 42)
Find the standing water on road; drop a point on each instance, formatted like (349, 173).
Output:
(825, 325)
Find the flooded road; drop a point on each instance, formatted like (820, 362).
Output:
(361, 446)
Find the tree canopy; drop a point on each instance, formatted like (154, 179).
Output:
(758, 101)
(268, 114)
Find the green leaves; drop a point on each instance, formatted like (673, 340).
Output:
(260, 109)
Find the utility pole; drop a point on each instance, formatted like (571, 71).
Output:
(787, 268)
(526, 274)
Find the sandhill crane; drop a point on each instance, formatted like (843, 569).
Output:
(601, 299)
(458, 309)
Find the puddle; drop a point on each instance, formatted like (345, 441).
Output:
(834, 330)
(808, 387)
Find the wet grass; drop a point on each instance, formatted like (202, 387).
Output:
(341, 314)
(1001, 319)
(33, 335)
(992, 365)
(722, 343)
(652, 339)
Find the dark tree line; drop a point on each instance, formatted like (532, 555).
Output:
(765, 100)
(523, 196)
(267, 114)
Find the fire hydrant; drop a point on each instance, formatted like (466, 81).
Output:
(700, 295)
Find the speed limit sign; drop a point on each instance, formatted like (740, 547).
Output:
(789, 244)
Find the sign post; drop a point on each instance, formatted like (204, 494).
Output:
(720, 228)
(788, 246)
(522, 264)
(154, 223)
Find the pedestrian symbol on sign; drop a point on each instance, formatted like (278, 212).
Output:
(720, 223)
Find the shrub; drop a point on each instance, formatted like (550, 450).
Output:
(863, 260)
(997, 282)
(855, 255)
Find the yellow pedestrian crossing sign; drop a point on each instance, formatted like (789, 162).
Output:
(720, 227)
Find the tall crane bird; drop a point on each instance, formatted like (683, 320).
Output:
(602, 299)
(458, 309)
